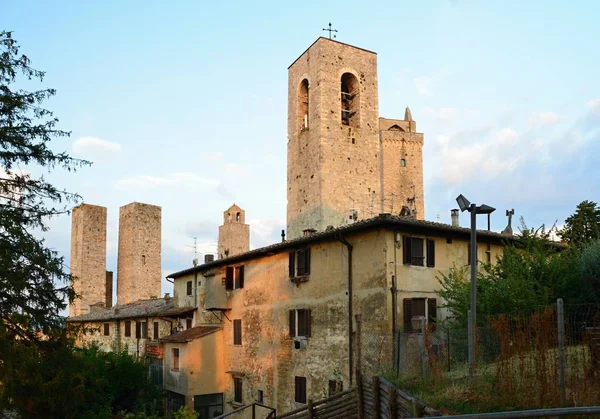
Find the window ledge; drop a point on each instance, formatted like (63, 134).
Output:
(236, 404)
(299, 279)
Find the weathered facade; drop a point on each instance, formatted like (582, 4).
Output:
(234, 234)
(345, 163)
(139, 267)
(88, 258)
(135, 327)
(287, 311)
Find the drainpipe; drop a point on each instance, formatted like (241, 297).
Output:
(350, 358)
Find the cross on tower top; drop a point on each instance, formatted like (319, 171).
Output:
(330, 30)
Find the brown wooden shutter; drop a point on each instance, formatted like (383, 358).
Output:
(155, 330)
(308, 322)
(300, 389)
(229, 278)
(407, 314)
(307, 261)
(301, 262)
(189, 288)
(138, 330)
(144, 330)
(292, 323)
(432, 310)
(241, 281)
(127, 328)
(237, 332)
(430, 253)
(292, 264)
(106, 329)
(407, 254)
(417, 254)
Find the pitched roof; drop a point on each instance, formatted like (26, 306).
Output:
(190, 334)
(391, 222)
(142, 308)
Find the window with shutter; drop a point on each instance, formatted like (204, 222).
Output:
(301, 262)
(307, 261)
(189, 288)
(300, 389)
(408, 314)
(292, 264)
(155, 331)
(188, 323)
(237, 384)
(144, 330)
(229, 278)
(432, 310)
(175, 359)
(106, 329)
(138, 330)
(239, 277)
(127, 328)
(416, 250)
(406, 254)
(237, 332)
(292, 323)
(430, 253)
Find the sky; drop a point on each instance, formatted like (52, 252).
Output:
(183, 104)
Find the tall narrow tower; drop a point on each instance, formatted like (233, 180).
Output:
(139, 267)
(88, 258)
(333, 137)
(234, 234)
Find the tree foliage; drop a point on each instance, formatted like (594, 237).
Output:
(583, 226)
(80, 383)
(34, 287)
(532, 272)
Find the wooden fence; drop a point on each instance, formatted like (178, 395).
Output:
(374, 398)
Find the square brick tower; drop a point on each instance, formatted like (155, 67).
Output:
(88, 258)
(345, 162)
(139, 259)
(234, 234)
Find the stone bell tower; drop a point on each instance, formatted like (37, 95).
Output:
(234, 234)
(333, 137)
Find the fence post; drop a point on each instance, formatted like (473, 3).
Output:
(393, 402)
(471, 345)
(253, 411)
(376, 401)
(560, 314)
(360, 395)
(423, 349)
(310, 409)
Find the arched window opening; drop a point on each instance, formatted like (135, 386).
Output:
(303, 106)
(229, 216)
(237, 217)
(402, 162)
(350, 100)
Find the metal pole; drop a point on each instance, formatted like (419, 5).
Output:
(561, 351)
(473, 319)
(423, 349)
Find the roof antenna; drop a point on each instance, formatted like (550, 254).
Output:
(330, 30)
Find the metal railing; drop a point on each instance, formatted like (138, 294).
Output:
(272, 414)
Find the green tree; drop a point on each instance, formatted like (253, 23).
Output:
(583, 226)
(34, 287)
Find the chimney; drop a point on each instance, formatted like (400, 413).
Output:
(167, 296)
(209, 258)
(454, 215)
(309, 232)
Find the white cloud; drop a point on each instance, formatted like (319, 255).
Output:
(171, 179)
(543, 119)
(594, 103)
(265, 232)
(443, 114)
(425, 84)
(94, 146)
(234, 169)
(215, 157)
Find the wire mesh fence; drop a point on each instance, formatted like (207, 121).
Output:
(518, 353)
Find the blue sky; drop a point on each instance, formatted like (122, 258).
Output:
(182, 104)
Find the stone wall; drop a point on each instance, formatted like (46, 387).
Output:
(332, 167)
(139, 260)
(88, 257)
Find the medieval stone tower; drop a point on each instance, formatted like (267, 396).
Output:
(234, 234)
(139, 259)
(345, 162)
(88, 259)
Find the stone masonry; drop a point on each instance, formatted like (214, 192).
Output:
(342, 162)
(88, 258)
(139, 260)
(234, 234)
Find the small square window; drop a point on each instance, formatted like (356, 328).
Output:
(259, 396)
(189, 288)
(237, 332)
(300, 390)
(175, 359)
(237, 384)
(106, 329)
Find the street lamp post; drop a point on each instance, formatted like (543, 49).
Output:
(465, 205)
